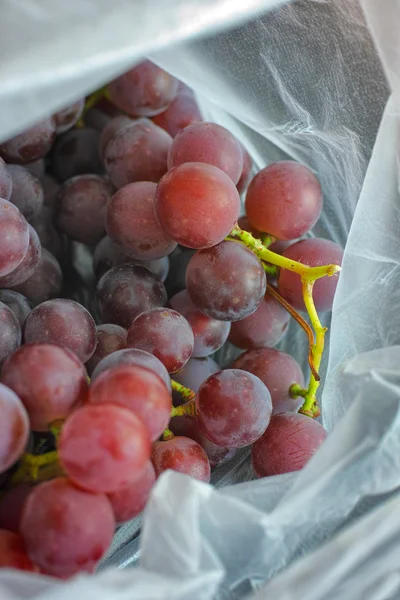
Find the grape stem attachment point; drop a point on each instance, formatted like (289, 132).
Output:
(186, 393)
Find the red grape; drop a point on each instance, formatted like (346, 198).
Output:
(143, 91)
(64, 322)
(65, 529)
(278, 371)
(197, 204)
(103, 447)
(13, 553)
(127, 290)
(226, 282)
(101, 113)
(207, 143)
(50, 188)
(137, 153)
(284, 199)
(50, 380)
(233, 408)
(45, 281)
(14, 428)
(109, 339)
(129, 502)
(209, 334)
(5, 181)
(30, 144)
(133, 356)
(183, 455)
(287, 445)
(164, 333)
(196, 371)
(28, 264)
(132, 223)
(265, 327)
(10, 332)
(67, 117)
(77, 153)
(14, 237)
(243, 223)
(50, 237)
(312, 252)
(245, 176)
(109, 131)
(11, 506)
(138, 389)
(37, 168)
(182, 111)
(27, 191)
(19, 305)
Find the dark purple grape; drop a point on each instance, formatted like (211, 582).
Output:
(111, 128)
(66, 118)
(27, 192)
(45, 282)
(50, 238)
(226, 282)
(63, 322)
(110, 338)
(245, 177)
(77, 153)
(101, 113)
(37, 168)
(14, 237)
(182, 111)
(82, 204)
(19, 305)
(127, 290)
(10, 332)
(178, 262)
(183, 455)
(5, 181)
(29, 263)
(31, 144)
(50, 190)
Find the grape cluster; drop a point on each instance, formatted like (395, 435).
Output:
(124, 258)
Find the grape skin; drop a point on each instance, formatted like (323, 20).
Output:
(14, 237)
(5, 181)
(67, 117)
(14, 428)
(28, 264)
(10, 333)
(182, 111)
(45, 282)
(13, 553)
(108, 132)
(129, 502)
(110, 338)
(289, 442)
(193, 374)
(19, 305)
(31, 144)
(183, 455)
(12, 503)
(246, 174)
(76, 153)
(27, 191)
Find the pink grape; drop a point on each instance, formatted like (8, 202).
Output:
(66, 530)
(183, 455)
(13, 553)
(10, 332)
(110, 129)
(207, 143)
(14, 237)
(31, 144)
(137, 153)
(209, 334)
(233, 408)
(284, 199)
(129, 502)
(246, 174)
(76, 153)
(28, 264)
(182, 111)
(14, 428)
(164, 333)
(64, 322)
(5, 181)
(289, 442)
(197, 204)
(103, 448)
(50, 381)
(109, 339)
(12, 503)
(312, 252)
(139, 390)
(19, 305)
(67, 117)
(278, 371)
(143, 91)
(226, 282)
(45, 282)
(132, 223)
(27, 191)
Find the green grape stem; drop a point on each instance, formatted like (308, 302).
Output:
(186, 393)
(34, 469)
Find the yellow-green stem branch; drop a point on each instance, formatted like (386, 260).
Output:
(185, 392)
(33, 469)
(189, 408)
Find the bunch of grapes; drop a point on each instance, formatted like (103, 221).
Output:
(107, 371)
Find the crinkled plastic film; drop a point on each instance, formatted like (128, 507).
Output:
(292, 79)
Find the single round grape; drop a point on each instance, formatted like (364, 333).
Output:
(45, 282)
(82, 204)
(166, 334)
(31, 144)
(209, 334)
(133, 356)
(137, 153)
(76, 153)
(197, 205)
(28, 264)
(207, 143)
(129, 502)
(5, 181)
(50, 380)
(50, 237)
(127, 290)
(178, 262)
(50, 189)
(138, 389)
(284, 199)
(143, 91)
(226, 282)
(13, 554)
(287, 445)
(278, 371)
(182, 111)
(108, 132)
(132, 223)
(233, 408)
(66, 530)
(246, 174)
(37, 168)
(64, 322)
(10, 332)
(66, 118)
(12, 503)
(312, 252)
(14, 237)
(14, 428)
(265, 327)
(27, 191)
(110, 338)
(183, 455)
(19, 305)
(103, 448)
